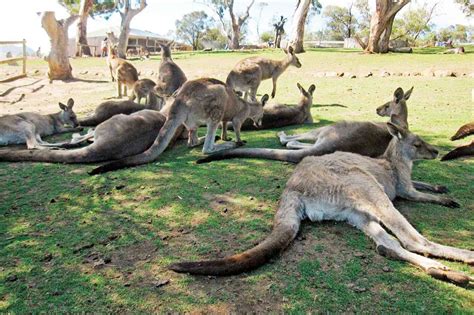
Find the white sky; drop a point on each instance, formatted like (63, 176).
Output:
(19, 19)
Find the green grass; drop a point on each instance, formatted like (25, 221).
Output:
(173, 209)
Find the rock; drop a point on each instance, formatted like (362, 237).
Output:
(121, 186)
(161, 283)
(319, 74)
(225, 210)
(386, 269)
(471, 75)
(416, 74)
(12, 278)
(47, 257)
(384, 73)
(84, 72)
(444, 73)
(369, 74)
(359, 255)
(340, 74)
(359, 289)
(406, 74)
(428, 73)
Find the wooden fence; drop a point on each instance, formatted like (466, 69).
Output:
(11, 60)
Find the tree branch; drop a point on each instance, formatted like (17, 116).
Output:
(67, 22)
(243, 18)
(361, 42)
(395, 8)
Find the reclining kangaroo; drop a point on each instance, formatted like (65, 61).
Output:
(197, 101)
(465, 150)
(170, 77)
(344, 186)
(110, 108)
(115, 138)
(249, 73)
(30, 127)
(278, 115)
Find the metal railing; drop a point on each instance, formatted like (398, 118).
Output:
(12, 60)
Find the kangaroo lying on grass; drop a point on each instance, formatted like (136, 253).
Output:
(115, 138)
(250, 72)
(465, 150)
(349, 187)
(278, 115)
(198, 101)
(170, 77)
(30, 127)
(110, 108)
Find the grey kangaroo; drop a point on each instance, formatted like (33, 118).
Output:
(170, 77)
(198, 101)
(464, 150)
(116, 138)
(30, 127)
(248, 73)
(344, 186)
(111, 108)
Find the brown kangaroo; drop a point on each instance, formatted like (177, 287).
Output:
(142, 89)
(30, 127)
(279, 115)
(118, 137)
(344, 186)
(198, 101)
(465, 150)
(170, 77)
(249, 73)
(110, 108)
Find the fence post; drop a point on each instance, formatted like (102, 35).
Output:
(24, 56)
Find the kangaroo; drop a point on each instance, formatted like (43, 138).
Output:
(118, 137)
(279, 115)
(170, 77)
(111, 108)
(30, 127)
(142, 89)
(344, 186)
(249, 73)
(457, 50)
(239, 111)
(198, 101)
(465, 150)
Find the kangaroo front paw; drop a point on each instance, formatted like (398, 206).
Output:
(440, 189)
(451, 203)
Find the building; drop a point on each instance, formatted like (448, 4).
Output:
(136, 39)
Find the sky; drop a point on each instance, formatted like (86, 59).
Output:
(20, 19)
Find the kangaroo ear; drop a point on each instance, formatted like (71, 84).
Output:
(264, 99)
(62, 106)
(311, 89)
(301, 88)
(70, 103)
(398, 94)
(396, 130)
(408, 93)
(290, 50)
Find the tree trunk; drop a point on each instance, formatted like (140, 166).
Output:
(381, 24)
(235, 37)
(297, 28)
(58, 61)
(127, 15)
(82, 47)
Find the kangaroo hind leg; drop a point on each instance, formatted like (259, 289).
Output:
(209, 142)
(307, 136)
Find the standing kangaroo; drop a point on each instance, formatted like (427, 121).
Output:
(30, 127)
(359, 190)
(279, 115)
(198, 101)
(142, 89)
(170, 77)
(111, 108)
(118, 137)
(465, 150)
(250, 72)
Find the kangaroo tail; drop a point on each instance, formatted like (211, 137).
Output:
(82, 155)
(466, 150)
(464, 131)
(293, 156)
(287, 223)
(89, 121)
(161, 143)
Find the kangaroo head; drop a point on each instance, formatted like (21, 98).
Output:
(256, 110)
(294, 61)
(165, 50)
(67, 115)
(397, 106)
(409, 145)
(307, 96)
(154, 101)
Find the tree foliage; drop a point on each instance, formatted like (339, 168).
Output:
(414, 23)
(192, 26)
(103, 8)
(467, 6)
(341, 22)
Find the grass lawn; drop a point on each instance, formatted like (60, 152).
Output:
(70, 242)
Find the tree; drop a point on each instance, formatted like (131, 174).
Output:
(261, 6)
(58, 60)
(279, 30)
(86, 8)
(467, 6)
(265, 37)
(192, 26)
(299, 21)
(341, 21)
(414, 23)
(456, 32)
(127, 13)
(220, 7)
(364, 17)
(381, 25)
(213, 35)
